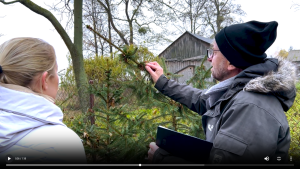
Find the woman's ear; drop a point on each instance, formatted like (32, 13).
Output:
(44, 81)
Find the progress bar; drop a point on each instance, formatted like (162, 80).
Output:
(149, 165)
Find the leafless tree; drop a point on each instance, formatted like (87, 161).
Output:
(221, 13)
(190, 14)
(295, 6)
(133, 20)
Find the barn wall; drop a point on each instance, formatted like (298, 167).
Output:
(175, 66)
(185, 47)
(187, 74)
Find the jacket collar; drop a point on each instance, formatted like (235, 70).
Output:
(26, 90)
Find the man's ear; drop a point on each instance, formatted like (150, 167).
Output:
(230, 67)
(44, 81)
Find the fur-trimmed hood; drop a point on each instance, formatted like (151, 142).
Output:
(275, 76)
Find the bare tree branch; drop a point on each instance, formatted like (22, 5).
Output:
(107, 40)
(136, 10)
(7, 3)
(224, 5)
(295, 6)
(108, 10)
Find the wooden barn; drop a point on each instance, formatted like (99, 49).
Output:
(294, 56)
(185, 53)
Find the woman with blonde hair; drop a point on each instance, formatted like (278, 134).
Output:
(31, 128)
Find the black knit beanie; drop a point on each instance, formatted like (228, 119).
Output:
(245, 44)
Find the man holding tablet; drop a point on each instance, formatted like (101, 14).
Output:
(243, 115)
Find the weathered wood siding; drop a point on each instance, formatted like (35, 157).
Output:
(185, 68)
(174, 66)
(185, 47)
(187, 73)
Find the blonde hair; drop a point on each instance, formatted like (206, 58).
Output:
(22, 59)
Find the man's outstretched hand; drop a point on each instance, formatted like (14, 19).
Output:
(154, 70)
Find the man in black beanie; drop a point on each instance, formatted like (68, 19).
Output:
(243, 115)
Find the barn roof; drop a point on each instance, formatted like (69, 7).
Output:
(202, 38)
(207, 40)
(294, 55)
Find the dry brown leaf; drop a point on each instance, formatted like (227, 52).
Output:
(85, 134)
(89, 143)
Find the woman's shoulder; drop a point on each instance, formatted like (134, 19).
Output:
(56, 135)
(50, 130)
(57, 142)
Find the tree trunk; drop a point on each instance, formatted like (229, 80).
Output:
(78, 66)
(94, 17)
(191, 15)
(110, 39)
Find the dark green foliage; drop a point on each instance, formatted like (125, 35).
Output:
(117, 135)
(128, 109)
(293, 118)
(142, 30)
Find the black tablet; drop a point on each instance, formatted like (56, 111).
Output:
(190, 148)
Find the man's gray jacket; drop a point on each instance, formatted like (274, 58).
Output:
(247, 123)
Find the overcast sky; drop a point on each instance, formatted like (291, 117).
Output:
(18, 21)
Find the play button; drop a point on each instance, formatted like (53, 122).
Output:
(9, 158)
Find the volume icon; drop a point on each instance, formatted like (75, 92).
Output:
(267, 158)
